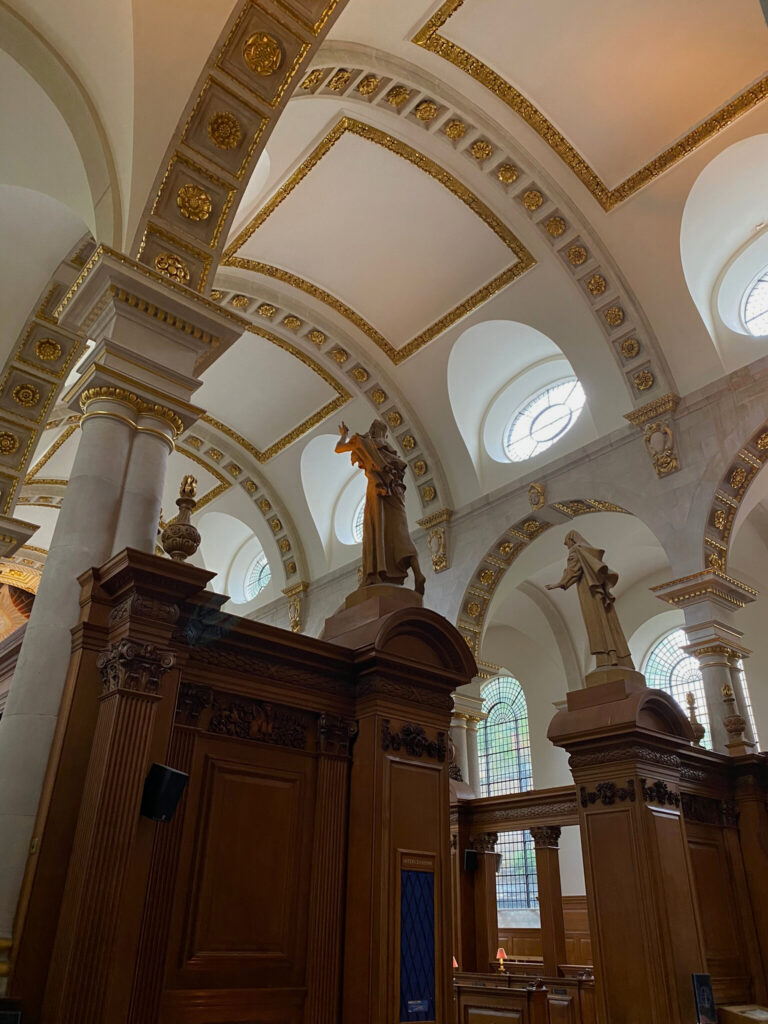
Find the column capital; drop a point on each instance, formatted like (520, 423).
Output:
(149, 311)
(485, 842)
(715, 639)
(711, 586)
(468, 708)
(546, 837)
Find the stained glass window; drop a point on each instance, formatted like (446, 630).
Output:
(504, 753)
(756, 307)
(544, 419)
(259, 576)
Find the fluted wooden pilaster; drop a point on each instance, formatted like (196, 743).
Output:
(78, 983)
(324, 952)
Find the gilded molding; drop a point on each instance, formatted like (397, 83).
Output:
(429, 38)
(653, 410)
(524, 259)
(110, 393)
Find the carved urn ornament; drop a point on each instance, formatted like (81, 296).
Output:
(181, 539)
(698, 728)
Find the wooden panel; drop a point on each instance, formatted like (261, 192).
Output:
(240, 909)
(618, 901)
(726, 956)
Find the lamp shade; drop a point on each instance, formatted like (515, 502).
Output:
(501, 953)
(455, 962)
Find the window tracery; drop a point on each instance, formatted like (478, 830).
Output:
(259, 576)
(755, 314)
(544, 419)
(504, 753)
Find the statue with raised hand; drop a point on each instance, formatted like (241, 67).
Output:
(388, 551)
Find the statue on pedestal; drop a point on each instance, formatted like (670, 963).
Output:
(585, 567)
(388, 551)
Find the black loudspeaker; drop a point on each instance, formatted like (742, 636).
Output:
(470, 860)
(163, 787)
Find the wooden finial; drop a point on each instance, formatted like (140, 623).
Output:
(698, 728)
(180, 539)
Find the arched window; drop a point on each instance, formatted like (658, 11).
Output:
(258, 577)
(669, 668)
(756, 306)
(544, 419)
(357, 521)
(504, 753)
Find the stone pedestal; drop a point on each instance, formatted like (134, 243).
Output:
(624, 740)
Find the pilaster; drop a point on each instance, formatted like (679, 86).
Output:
(546, 841)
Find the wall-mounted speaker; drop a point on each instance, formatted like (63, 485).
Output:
(470, 860)
(163, 787)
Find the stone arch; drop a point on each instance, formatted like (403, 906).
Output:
(728, 499)
(505, 550)
(68, 94)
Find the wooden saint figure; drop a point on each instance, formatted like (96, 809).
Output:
(388, 551)
(585, 567)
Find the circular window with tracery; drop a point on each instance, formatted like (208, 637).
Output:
(755, 314)
(544, 419)
(357, 522)
(258, 577)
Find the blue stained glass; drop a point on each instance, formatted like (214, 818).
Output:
(417, 945)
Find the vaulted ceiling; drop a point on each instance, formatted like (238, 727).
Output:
(516, 170)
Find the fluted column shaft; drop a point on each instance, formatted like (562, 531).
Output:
(143, 487)
(83, 537)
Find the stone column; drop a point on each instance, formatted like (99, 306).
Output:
(546, 841)
(467, 712)
(709, 599)
(134, 394)
(486, 907)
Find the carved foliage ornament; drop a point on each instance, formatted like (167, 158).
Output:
(193, 202)
(172, 266)
(248, 719)
(9, 443)
(413, 740)
(262, 54)
(546, 837)
(438, 548)
(47, 349)
(607, 793)
(660, 445)
(224, 130)
(659, 792)
(129, 665)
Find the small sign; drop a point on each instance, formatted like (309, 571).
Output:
(706, 1012)
(418, 1005)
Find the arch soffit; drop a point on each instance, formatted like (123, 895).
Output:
(729, 496)
(68, 94)
(514, 176)
(342, 354)
(505, 550)
(239, 96)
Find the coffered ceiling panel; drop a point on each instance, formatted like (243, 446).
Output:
(639, 76)
(404, 246)
(264, 392)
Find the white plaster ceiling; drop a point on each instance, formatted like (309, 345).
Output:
(261, 390)
(612, 74)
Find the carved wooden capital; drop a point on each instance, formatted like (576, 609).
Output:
(335, 734)
(130, 665)
(546, 837)
(485, 842)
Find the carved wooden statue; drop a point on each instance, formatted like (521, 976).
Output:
(388, 551)
(585, 567)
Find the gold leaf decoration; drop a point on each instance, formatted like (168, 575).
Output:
(292, 322)
(473, 609)
(47, 349)
(340, 355)
(762, 441)
(737, 477)
(394, 418)
(368, 85)
(426, 110)
(481, 150)
(596, 284)
(263, 54)
(455, 129)
(397, 95)
(507, 174)
(314, 78)
(240, 301)
(172, 266)
(9, 443)
(556, 226)
(378, 396)
(614, 316)
(420, 467)
(630, 348)
(224, 130)
(532, 199)
(360, 374)
(316, 337)
(577, 255)
(26, 395)
(266, 309)
(340, 80)
(408, 442)
(643, 380)
(193, 202)
(486, 576)
(720, 517)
